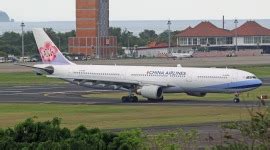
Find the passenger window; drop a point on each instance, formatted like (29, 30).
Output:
(251, 77)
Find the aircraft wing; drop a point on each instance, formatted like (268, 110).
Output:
(41, 70)
(23, 65)
(117, 84)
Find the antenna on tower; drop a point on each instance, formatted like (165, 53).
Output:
(223, 22)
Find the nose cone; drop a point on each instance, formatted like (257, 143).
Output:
(253, 84)
(256, 83)
(259, 82)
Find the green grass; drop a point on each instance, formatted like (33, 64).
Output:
(260, 71)
(26, 78)
(123, 116)
(247, 96)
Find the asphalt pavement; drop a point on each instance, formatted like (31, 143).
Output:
(209, 133)
(72, 94)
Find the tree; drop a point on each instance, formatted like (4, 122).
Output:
(3, 54)
(255, 132)
(11, 42)
(115, 32)
(129, 140)
(30, 44)
(64, 39)
(148, 36)
(125, 38)
(49, 135)
(164, 37)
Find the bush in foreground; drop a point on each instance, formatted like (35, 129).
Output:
(49, 135)
(255, 133)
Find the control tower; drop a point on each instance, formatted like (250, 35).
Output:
(92, 30)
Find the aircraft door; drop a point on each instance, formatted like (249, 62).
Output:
(189, 78)
(123, 76)
(233, 78)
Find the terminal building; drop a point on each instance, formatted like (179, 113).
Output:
(249, 36)
(208, 40)
(92, 30)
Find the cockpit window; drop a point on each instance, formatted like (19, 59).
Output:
(251, 77)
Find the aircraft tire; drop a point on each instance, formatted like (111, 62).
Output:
(134, 99)
(236, 100)
(125, 99)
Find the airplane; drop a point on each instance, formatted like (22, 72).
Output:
(148, 81)
(183, 55)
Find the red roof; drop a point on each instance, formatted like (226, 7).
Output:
(156, 44)
(149, 48)
(252, 28)
(186, 30)
(205, 29)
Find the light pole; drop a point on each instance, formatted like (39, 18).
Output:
(22, 25)
(128, 42)
(169, 30)
(236, 35)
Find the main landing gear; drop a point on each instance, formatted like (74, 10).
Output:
(134, 99)
(130, 99)
(236, 98)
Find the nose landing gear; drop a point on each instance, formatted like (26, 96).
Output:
(236, 98)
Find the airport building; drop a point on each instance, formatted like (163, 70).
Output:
(249, 36)
(155, 49)
(207, 40)
(92, 30)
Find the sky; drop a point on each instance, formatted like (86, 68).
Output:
(64, 10)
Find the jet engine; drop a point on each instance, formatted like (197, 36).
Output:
(151, 91)
(197, 94)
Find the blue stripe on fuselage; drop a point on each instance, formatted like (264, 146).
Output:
(247, 84)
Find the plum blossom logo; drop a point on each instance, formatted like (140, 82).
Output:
(48, 52)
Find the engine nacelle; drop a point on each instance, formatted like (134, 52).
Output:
(151, 91)
(197, 94)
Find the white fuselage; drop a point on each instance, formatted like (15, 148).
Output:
(182, 55)
(150, 82)
(172, 79)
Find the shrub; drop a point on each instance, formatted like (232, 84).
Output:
(255, 133)
(49, 135)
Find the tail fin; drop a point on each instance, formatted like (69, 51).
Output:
(48, 51)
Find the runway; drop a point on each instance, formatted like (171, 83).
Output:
(266, 81)
(66, 93)
(72, 94)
